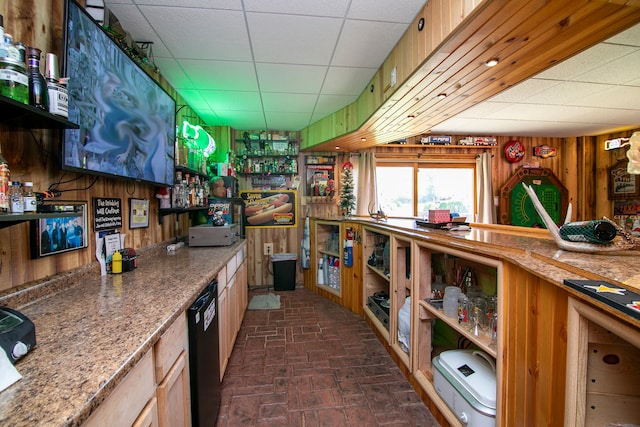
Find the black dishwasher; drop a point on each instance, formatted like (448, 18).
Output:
(204, 357)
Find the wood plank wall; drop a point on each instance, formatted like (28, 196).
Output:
(33, 155)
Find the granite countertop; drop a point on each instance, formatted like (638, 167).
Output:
(92, 330)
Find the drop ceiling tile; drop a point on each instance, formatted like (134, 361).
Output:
(200, 33)
(287, 121)
(616, 70)
(382, 10)
(288, 102)
(194, 99)
(242, 120)
(366, 44)
(204, 4)
(135, 23)
(615, 97)
(318, 116)
(221, 75)
(292, 39)
(173, 72)
(335, 8)
(484, 109)
(347, 80)
(232, 100)
(328, 104)
(210, 118)
(630, 37)
(290, 78)
(566, 93)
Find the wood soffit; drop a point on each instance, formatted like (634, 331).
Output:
(527, 37)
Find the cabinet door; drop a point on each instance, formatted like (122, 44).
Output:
(232, 307)
(128, 400)
(223, 325)
(173, 396)
(149, 415)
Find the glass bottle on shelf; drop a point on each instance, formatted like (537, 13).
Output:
(38, 91)
(29, 197)
(4, 184)
(17, 201)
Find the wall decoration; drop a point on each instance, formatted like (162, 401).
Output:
(623, 185)
(269, 208)
(544, 151)
(514, 151)
(107, 213)
(60, 232)
(138, 213)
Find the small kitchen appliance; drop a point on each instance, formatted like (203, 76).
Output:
(209, 235)
(17, 333)
(466, 381)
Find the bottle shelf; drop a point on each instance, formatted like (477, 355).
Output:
(7, 220)
(27, 117)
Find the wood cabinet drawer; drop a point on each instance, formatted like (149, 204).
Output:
(232, 266)
(169, 346)
(222, 280)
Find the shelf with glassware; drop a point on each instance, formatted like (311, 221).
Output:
(456, 307)
(17, 114)
(259, 157)
(328, 256)
(377, 278)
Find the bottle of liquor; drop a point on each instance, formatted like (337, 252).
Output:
(594, 231)
(38, 92)
(4, 184)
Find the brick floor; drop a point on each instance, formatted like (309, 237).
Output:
(313, 363)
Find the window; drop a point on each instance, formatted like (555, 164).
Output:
(412, 189)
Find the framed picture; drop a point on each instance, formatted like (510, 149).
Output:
(274, 209)
(60, 232)
(139, 213)
(622, 184)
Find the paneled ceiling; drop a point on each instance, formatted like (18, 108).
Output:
(285, 64)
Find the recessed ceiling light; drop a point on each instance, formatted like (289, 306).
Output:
(411, 116)
(363, 139)
(442, 95)
(492, 62)
(337, 147)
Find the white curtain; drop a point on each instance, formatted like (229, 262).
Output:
(366, 199)
(486, 207)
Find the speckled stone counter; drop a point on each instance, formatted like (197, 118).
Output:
(92, 330)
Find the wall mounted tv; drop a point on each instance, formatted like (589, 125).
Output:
(126, 119)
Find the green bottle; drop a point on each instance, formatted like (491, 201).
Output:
(593, 231)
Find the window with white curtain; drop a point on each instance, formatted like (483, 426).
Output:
(412, 189)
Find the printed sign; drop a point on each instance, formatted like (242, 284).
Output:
(107, 213)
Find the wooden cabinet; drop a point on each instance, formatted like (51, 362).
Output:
(434, 332)
(376, 279)
(233, 298)
(400, 307)
(172, 375)
(128, 401)
(328, 255)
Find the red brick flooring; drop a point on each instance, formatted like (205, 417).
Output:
(313, 363)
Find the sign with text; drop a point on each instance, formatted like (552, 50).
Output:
(107, 213)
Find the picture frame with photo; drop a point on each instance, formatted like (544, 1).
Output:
(59, 232)
(622, 184)
(138, 213)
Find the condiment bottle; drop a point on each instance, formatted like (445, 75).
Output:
(4, 184)
(116, 262)
(38, 92)
(15, 196)
(29, 197)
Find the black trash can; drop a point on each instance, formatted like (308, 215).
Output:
(284, 271)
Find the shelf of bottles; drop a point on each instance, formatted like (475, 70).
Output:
(262, 156)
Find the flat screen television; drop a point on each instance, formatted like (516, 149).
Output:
(126, 119)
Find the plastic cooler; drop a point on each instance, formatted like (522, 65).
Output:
(284, 271)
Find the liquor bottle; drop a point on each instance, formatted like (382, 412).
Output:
(58, 96)
(594, 231)
(4, 184)
(38, 92)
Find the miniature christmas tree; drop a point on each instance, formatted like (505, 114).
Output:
(347, 198)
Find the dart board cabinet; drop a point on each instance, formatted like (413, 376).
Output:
(516, 207)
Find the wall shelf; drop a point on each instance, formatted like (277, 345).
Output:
(7, 220)
(27, 117)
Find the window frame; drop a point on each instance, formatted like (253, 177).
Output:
(432, 163)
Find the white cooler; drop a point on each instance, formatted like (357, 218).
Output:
(466, 381)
